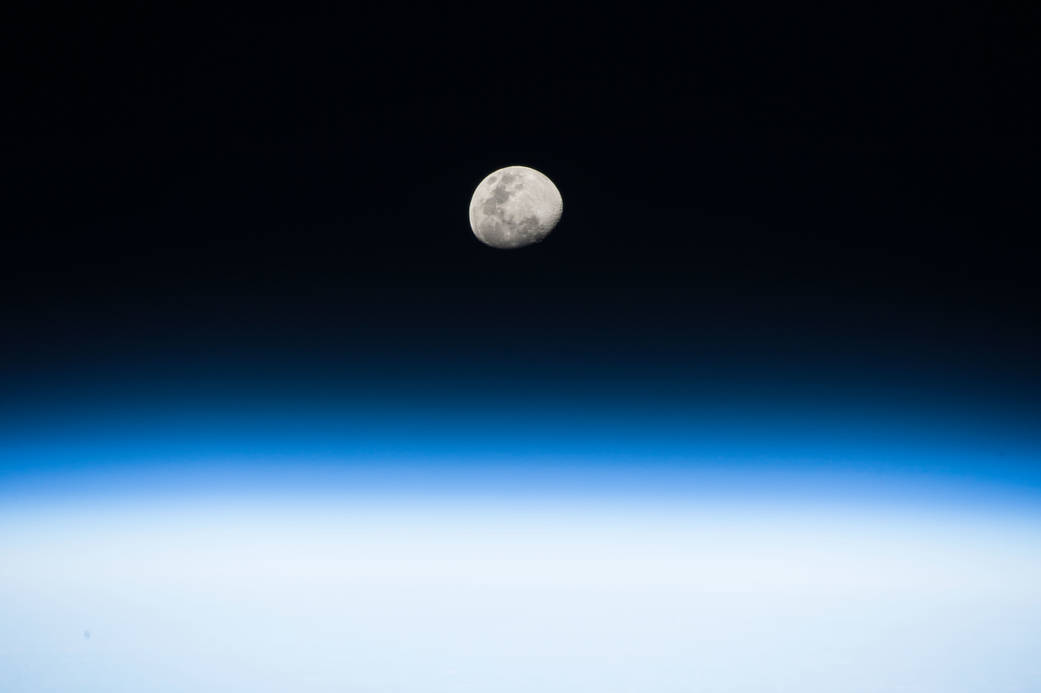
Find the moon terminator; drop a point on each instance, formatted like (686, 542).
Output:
(514, 207)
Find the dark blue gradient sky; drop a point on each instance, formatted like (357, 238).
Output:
(550, 390)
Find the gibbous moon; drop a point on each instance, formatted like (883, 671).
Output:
(514, 207)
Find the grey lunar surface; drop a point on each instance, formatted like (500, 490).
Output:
(514, 206)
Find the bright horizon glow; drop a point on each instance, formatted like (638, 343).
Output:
(319, 593)
(549, 544)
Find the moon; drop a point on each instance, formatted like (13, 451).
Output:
(514, 207)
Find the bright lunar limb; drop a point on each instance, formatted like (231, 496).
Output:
(514, 207)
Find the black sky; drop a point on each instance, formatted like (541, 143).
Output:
(756, 171)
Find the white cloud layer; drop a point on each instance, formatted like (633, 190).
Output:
(326, 595)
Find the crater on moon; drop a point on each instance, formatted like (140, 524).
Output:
(514, 207)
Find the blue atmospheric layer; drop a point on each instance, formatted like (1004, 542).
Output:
(585, 438)
(468, 535)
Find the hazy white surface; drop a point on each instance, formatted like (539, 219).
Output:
(328, 596)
